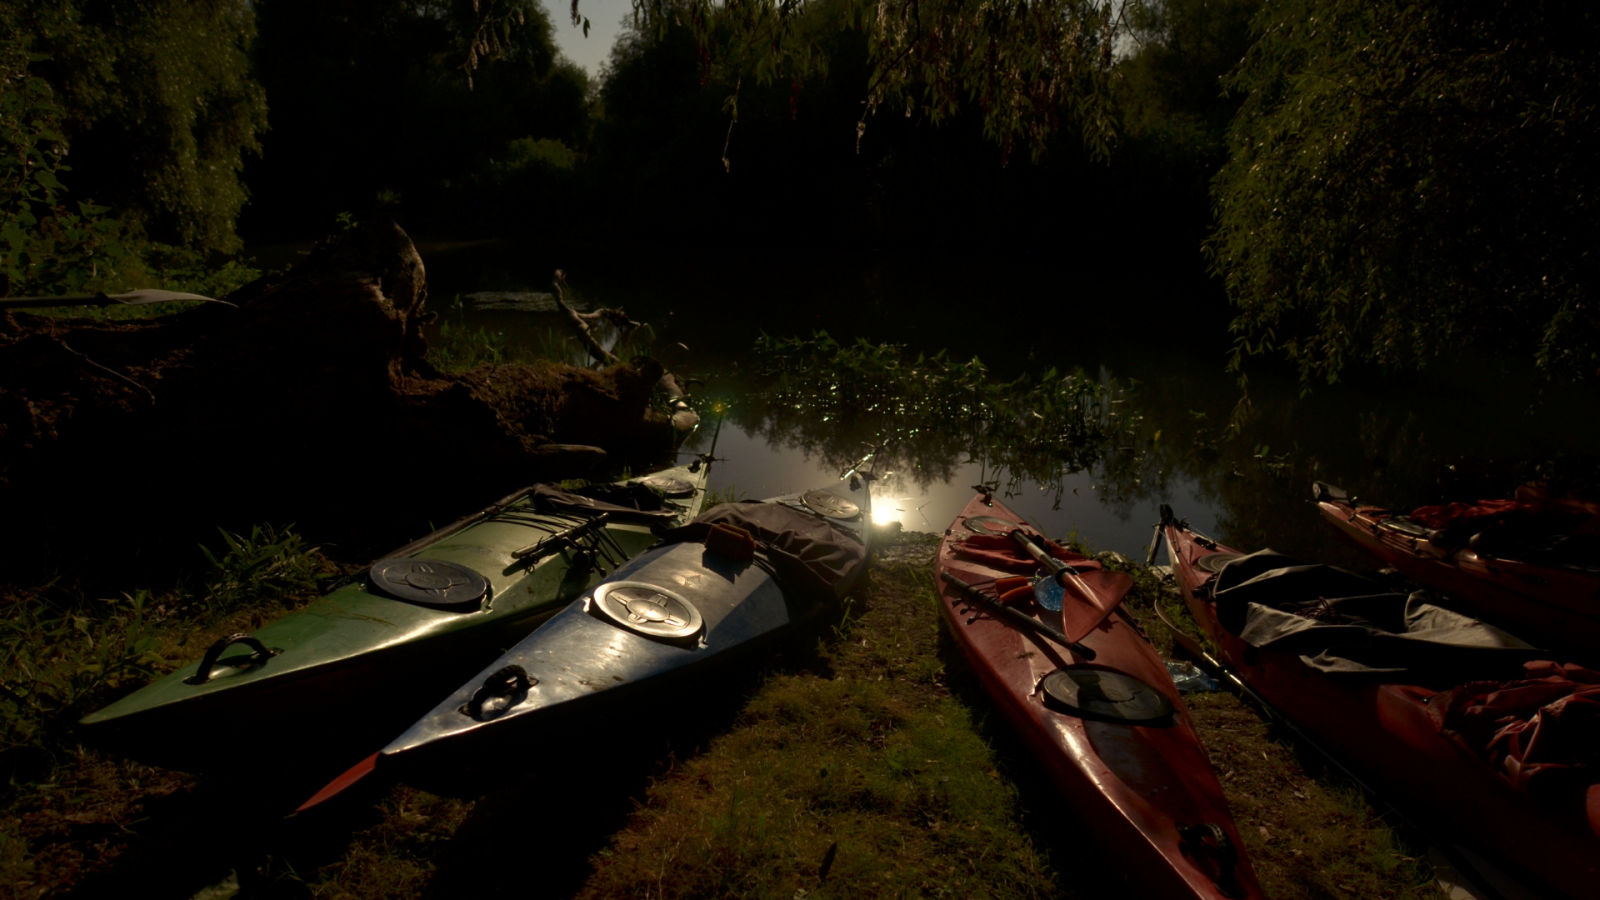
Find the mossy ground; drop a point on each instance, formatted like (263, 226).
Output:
(859, 762)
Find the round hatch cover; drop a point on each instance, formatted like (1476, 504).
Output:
(827, 503)
(988, 525)
(430, 582)
(1104, 694)
(648, 610)
(1213, 562)
(671, 487)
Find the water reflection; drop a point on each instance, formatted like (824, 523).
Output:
(1048, 442)
(1155, 421)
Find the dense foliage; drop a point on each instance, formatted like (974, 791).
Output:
(156, 101)
(372, 108)
(1028, 67)
(46, 246)
(1399, 179)
(1408, 178)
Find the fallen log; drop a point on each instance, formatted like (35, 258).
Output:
(581, 322)
(684, 418)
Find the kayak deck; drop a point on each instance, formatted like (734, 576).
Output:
(1553, 605)
(357, 657)
(583, 660)
(1146, 792)
(1384, 733)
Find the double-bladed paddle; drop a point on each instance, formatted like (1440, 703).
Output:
(132, 298)
(1087, 607)
(1015, 617)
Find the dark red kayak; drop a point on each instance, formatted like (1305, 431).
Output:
(1410, 737)
(1102, 716)
(1527, 565)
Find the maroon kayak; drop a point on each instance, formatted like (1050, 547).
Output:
(1409, 739)
(1542, 583)
(1112, 733)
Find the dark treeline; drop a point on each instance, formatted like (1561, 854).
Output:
(1378, 181)
(308, 110)
(667, 149)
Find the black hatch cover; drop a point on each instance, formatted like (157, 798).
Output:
(988, 525)
(1096, 693)
(430, 582)
(1213, 562)
(829, 504)
(670, 487)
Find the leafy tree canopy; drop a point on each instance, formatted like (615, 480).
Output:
(414, 105)
(156, 101)
(1030, 66)
(1408, 177)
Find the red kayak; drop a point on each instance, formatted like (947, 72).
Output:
(1112, 733)
(1408, 741)
(1493, 559)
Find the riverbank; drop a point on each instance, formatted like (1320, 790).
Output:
(859, 763)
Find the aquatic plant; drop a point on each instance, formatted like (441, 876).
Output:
(933, 414)
(456, 348)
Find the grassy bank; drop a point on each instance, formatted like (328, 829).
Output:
(862, 764)
(69, 813)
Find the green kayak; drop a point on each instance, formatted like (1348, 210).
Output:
(356, 664)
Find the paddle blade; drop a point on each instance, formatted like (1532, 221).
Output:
(151, 295)
(338, 786)
(1089, 598)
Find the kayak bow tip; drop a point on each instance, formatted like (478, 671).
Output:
(339, 785)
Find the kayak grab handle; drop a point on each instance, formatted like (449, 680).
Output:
(505, 681)
(1221, 849)
(214, 652)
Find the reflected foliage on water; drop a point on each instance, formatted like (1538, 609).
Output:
(932, 415)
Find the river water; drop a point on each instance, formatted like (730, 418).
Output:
(1165, 425)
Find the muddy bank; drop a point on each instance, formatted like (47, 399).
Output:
(309, 401)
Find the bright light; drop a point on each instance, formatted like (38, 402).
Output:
(885, 514)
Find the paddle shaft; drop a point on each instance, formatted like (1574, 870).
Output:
(1202, 656)
(132, 298)
(1063, 573)
(1016, 617)
(1155, 545)
(42, 302)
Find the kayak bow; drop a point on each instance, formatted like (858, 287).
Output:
(679, 610)
(351, 666)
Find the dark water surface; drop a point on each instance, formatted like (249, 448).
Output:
(1154, 336)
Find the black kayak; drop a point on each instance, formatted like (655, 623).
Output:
(697, 602)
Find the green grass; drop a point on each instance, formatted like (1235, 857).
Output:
(1309, 831)
(457, 348)
(875, 748)
(719, 496)
(65, 652)
(866, 752)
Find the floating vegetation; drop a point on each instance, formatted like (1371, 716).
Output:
(933, 415)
